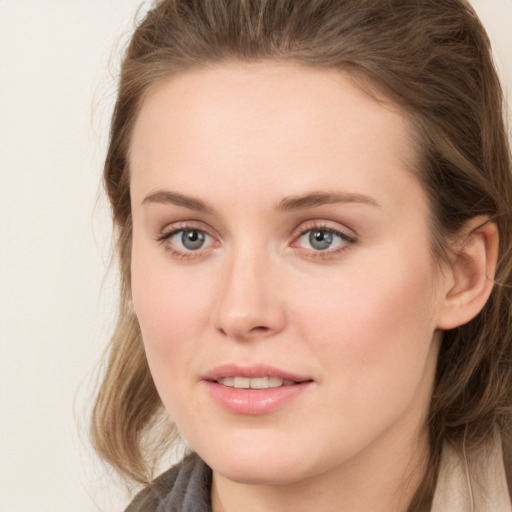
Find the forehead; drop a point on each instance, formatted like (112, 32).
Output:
(264, 121)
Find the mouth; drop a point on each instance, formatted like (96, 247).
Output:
(256, 389)
(240, 382)
(255, 376)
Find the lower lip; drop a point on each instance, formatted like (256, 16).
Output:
(255, 401)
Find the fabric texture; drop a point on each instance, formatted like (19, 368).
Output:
(183, 488)
(475, 484)
(186, 487)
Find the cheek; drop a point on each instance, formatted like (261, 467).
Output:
(373, 324)
(170, 309)
(374, 337)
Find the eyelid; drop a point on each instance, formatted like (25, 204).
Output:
(170, 230)
(325, 226)
(346, 234)
(174, 227)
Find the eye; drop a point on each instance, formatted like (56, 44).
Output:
(323, 239)
(183, 241)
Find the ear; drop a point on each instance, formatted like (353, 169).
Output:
(470, 277)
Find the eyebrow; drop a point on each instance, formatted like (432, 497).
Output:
(177, 199)
(311, 200)
(293, 203)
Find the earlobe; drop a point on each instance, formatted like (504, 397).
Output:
(471, 273)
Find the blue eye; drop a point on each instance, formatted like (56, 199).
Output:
(321, 239)
(188, 239)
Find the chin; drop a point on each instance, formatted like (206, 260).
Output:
(254, 466)
(252, 473)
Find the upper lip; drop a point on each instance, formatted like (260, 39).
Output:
(251, 371)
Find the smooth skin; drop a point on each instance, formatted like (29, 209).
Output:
(277, 220)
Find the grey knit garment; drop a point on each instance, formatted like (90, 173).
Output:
(183, 488)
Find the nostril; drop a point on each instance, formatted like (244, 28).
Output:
(259, 328)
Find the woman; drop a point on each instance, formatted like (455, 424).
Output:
(312, 203)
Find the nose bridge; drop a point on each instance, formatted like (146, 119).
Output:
(249, 303)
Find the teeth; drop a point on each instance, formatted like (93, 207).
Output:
(242, 382)
(274, 382)
(255, 383)
(228, 381)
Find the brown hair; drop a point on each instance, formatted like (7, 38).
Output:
(430, 57)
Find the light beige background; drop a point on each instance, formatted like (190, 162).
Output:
(58, 60)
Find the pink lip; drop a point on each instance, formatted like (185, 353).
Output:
(253, 401)
(257, 370)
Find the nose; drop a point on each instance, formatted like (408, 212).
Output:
(250, 302)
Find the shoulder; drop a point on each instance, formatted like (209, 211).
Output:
(183, 488)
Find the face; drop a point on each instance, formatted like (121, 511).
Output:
(281, 270)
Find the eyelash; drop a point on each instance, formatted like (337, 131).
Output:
(348, 241)
(178, 254)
